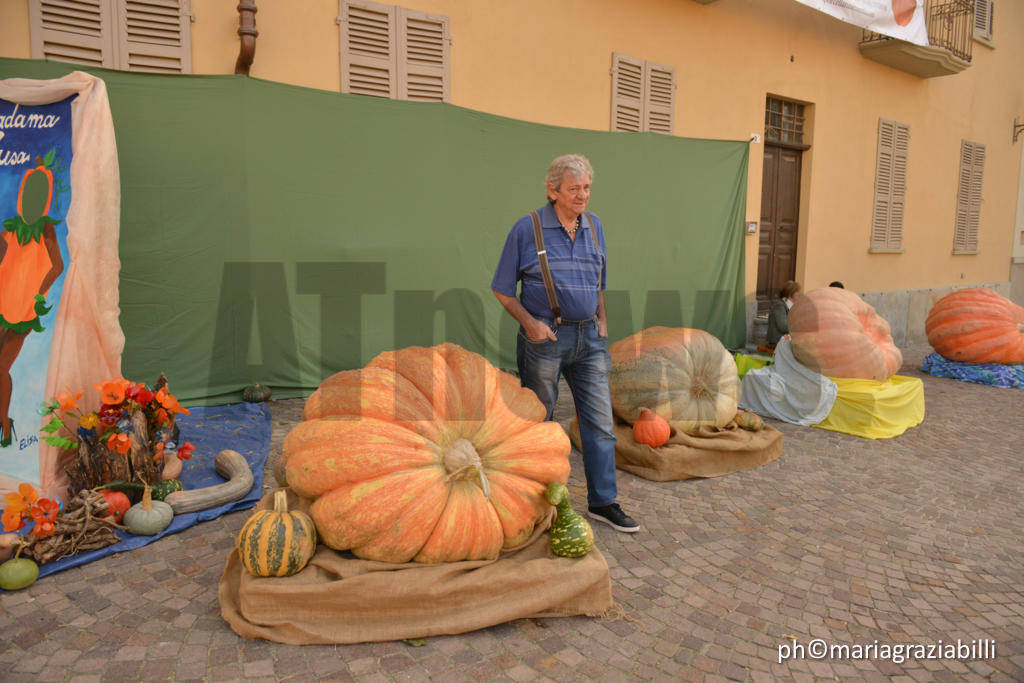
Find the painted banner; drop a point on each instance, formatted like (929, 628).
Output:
(903, 19)
(60, 205)
(35, 193)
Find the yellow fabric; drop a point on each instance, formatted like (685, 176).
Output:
(876, 410)
(745, 362)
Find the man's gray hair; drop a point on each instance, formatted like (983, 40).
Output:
(575, 165)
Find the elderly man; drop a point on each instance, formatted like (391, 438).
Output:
(563, 328)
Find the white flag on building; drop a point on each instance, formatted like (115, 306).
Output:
(903, 19)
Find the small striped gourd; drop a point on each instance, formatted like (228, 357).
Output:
(749, 421)
(277, 542)
(571, 535)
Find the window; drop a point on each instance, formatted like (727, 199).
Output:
(388, 51)
(890, 186)
(134, 35)
(968, 197)
(983, 20)
(783, 120)
(643, 95)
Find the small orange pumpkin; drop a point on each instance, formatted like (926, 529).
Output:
(976, 325)
(651, 428)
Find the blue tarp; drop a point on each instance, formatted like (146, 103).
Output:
(993, 374)
(242, 427)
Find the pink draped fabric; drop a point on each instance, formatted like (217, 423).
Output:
(87, 338)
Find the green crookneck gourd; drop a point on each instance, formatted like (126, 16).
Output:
(571, 535)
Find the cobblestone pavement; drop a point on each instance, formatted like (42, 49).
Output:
(915, 539)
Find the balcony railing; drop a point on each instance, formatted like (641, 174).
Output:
(950, 37)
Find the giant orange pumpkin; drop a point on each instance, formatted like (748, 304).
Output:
(686, 376)
(977, 325)
(426, 454)
(838, 334)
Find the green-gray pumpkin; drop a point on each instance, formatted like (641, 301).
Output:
(570, 535)
(149, 517)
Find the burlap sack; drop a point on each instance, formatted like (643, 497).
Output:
(710, 452)
(340, 599)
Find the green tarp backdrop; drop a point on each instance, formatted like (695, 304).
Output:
(278, 234)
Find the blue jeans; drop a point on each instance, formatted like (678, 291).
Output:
(582, 357)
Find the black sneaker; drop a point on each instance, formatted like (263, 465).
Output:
(613, 516)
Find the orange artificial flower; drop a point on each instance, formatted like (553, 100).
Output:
(21, 500)
(162, 418)
(12, 519)
(119, 442)
(68, 400)
(112, 393)
(168, 401)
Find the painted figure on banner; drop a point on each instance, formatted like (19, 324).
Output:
(35, 158)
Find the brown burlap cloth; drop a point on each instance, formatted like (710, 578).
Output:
(709, 452)
(338, 598)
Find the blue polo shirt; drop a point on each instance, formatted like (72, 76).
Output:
(578, 267)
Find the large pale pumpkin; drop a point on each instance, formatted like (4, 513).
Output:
(426, 455)
(838, 334)
(686, 376)
(977, 325)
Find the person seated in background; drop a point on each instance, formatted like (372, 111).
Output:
(778, 317)
(836, 283)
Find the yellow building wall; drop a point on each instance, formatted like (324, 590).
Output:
(549, 61)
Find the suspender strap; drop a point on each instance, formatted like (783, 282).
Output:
(542, 258)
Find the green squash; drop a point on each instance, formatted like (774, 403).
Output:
(165, 487)
(149, 517)
(160, 490)
(18, 573)
(256, 393)
(570, 535)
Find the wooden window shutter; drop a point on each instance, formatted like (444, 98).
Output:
(423, 66)
(78, 31)
(660, 87)
(368, 55)
(899, 185)
(968, 196)
(983, 19)
(627, 93)
(890, 185)
(154, 35)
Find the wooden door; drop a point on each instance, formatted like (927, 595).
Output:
(780, 213)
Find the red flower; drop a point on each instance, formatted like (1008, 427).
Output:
(185, 450)
(44, 511)
(144, 396)
(109, 415)
(119, 442)
(44, 529)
